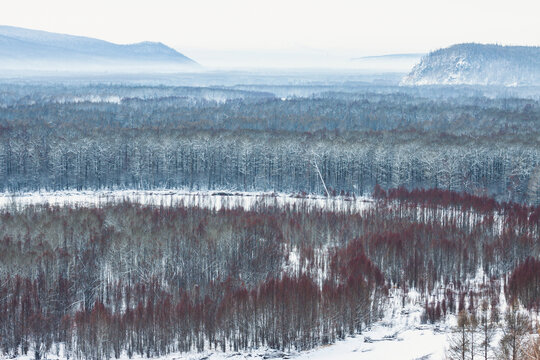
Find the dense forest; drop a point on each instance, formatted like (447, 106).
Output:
(222, 138)
(455, 111)
(452, 175)
(151, 280)
(63, 158)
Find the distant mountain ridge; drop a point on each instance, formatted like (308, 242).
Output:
(478, 64)
(33, 49)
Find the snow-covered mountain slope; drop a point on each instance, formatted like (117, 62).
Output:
(478, 64)
(32, 49)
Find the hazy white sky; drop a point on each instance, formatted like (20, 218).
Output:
(349, 27)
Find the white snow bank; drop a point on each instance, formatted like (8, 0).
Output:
(207, 199)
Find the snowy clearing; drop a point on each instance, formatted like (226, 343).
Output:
(206, 199)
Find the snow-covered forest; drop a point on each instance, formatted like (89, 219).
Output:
(128, 279)
(269, 218)
(215, 139)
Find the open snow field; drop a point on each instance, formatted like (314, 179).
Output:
(206, 199)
